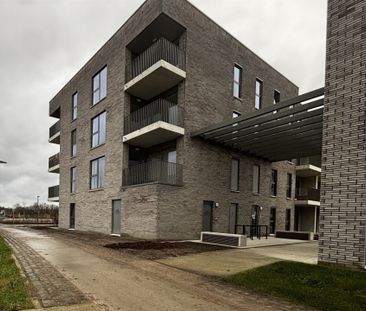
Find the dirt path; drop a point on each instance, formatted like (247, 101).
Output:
(124, 282)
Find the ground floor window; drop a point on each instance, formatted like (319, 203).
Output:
(288, 220)
(72, 216)
(272, 220)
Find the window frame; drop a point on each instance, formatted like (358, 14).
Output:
(99, 88)
(258, 181)
(289, 186)
(100, 178)
(238, 82)
(288, 219)
(73, 143)
(260, 95)
(98, 132)
(73, 179)
(74, 106)
(275, 101)
(237, 186)
(274, 183)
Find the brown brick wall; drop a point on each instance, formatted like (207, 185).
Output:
(343, 205)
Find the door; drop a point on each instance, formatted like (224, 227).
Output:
(116, 216)
(207, 216)
(72, 216)
(255, 221)
(233, 214)
(272, 221)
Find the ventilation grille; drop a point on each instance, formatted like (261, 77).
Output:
(223, 239)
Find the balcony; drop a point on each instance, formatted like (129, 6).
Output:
(54, 109)
(54, 136)
(153, 171)
(153, 124)
(308, 196)
(155, 70)
(308, 166)
(54, 164)
(53, 193)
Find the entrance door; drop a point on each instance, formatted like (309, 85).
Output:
(233, 213)
(116, 216)
(72, 216)
(272, 221)
(207, 216)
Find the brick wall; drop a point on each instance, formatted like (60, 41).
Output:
(343, 202)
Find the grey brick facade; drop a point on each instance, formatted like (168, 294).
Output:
(343, 206)
(158, 210)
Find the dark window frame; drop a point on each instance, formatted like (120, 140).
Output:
(99, 184)
(259, 95)
(259, 178)
(74, 106)
(276, 97)
(238, 82)
(274, 182)
(99, 87)
(97, 133)
(288, 219)
(73, 143)
(73, 179)
(289, 186)
(238, 175)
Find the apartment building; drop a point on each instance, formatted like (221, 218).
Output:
(129, 159)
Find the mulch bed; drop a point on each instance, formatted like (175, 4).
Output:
(154, 250)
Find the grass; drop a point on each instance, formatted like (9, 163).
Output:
(14, 294)
(323, 288)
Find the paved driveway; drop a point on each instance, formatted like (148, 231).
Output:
(123, 282)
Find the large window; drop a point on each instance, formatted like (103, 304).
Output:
(98, 130)
(276, 97)
(256, 178)
(73, 179)
(289, 186)
(274, 183)
(73, 143)
(100, 86)
(234, 175)
(74, 106)
(258, 93)
(97, 168)
(237, 81)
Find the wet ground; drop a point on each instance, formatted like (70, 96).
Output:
(122, 281)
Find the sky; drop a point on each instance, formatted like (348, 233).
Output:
(43, 43)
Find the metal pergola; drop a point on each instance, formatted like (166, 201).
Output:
(284, 131)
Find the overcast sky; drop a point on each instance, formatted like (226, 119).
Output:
(43, 43)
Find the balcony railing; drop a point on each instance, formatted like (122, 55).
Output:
(54, 160)
(162, 49)
(310, 194)
(54, 129)
(53, 192)
(159, 110)
(153, 171)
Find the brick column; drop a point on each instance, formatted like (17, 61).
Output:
(343, 202)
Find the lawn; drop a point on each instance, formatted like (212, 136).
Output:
(320, 287)
(14, 294)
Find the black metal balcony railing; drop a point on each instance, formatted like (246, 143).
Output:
(252, 231)
(310, 194)
(153, 171)
(162, 49)
(53, 192)
(54, 129)
(54, 160)
(159, 110)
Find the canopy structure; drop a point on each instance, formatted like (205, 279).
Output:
(284, 131)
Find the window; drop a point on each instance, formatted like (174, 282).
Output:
(98, 129)
(73, 179)
(236, 114)
(289, 186)
(234, 175)
(288, 220)
(237, 81)
(73, 143)
(97, 173)
(74, 106)
(100, 86)
(276, 97)
(258, 93)
(272, 220)
(256, 178)
(274, 183)
(72, 216)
